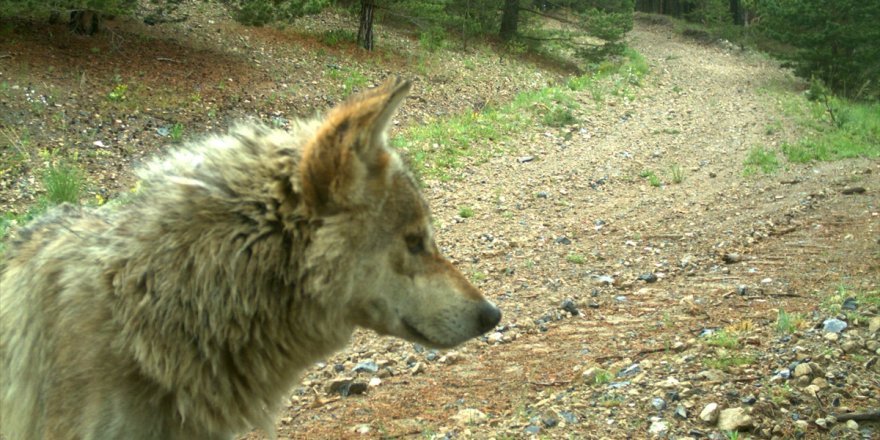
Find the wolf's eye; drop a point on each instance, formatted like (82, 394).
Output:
(415, 244)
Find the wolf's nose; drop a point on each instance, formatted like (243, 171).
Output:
(489, 317)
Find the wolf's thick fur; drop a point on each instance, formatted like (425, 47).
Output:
(242, 260)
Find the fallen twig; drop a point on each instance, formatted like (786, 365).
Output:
(859, 417)
(170, 60)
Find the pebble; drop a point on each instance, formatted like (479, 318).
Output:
(874, 324)
(496, 337)
(850, 304)
(470, 416)
(734, 419)
(648, 277)
(833, 325)
(709, 413)
(525, 159)
(532, 429)
(541, 194)
(630, 371)
(569, 306)
(562, 240)
(852, 424)
(803, 369)
(368, 366)
(658, 428)
(658, 404)
(832, 336)
(681, 412)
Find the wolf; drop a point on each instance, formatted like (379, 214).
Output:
(243, 259)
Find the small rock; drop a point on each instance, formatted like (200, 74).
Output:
(368, 366)
(569, 306)
(833, 325)
(659, 428)
(605, 280)
(470, 416)
(852, 424)
(648, 277)
(681, 412)
(803, 369)
(374, 382)
(734, 419)
(532, 429)
(742, 290)
(658, 404)
(850, 346)
(850, 304)
(822, 423)
(589, 375)
(630, 371)
(569, 417)
(562, 240)
(525, 159)
(874, 324)
(363, 428)
(832, 336)
(709, 413)
(749, 400)
(496, 337)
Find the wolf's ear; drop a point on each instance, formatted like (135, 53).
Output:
(347, 156)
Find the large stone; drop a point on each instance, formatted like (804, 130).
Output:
(734, 419)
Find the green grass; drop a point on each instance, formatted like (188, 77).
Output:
(334, 37)
(726, 361)
(652, 178)
(352, 79)
(575, 258)
(176, 132)
(834, 129)
(64, 183)
(788, 322)
(761, 159)
(602, 377)
(465, 212)
(439, 147)
(832, 303)
(119, 93)
(676, 173)
(722, 339)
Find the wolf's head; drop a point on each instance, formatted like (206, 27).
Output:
(372, 210)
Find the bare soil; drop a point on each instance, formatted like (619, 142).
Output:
(575, 222)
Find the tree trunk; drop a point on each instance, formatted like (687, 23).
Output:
(84, 22)
(365, 31)
(509, 19)
(736, 10)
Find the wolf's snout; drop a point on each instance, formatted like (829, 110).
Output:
(489, 317)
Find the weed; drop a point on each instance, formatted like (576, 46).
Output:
(677, 173)
(478, 277)
(575, 258)
(788, 322)
(64, 183)
(334, 37)
(465, 212)
(731, 435)
(602, 377)
(653, 180)
(725, 361)
(722, 339)
(760, 159)
(781, 394)
(559, 116)
(352, 79)
(176, 132)
(118, 94)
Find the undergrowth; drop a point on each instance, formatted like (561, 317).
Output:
(441, 146)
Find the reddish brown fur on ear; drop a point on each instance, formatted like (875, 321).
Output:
(348, 149)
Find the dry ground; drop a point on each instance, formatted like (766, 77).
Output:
(576, 222)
